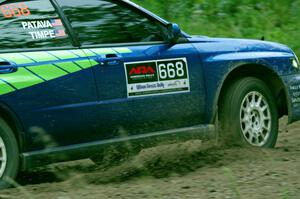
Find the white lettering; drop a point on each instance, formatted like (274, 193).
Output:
(48, 24)
(32, 35)
(29, 26)
(42, 34)
(37, 24)
(33, 23)
(52, 34)
(24, 24)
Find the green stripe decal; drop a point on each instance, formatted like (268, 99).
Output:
(21, 79)
(69, 66)
(123, 50)
(84, 63)
(40, 56)
(63, 54)
(89, 52)
(104, 51)
(36, 72)
(16, 58)
(79, 53)
(48, 71)
(5, 88)
(94, 63)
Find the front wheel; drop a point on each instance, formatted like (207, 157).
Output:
(248, 114)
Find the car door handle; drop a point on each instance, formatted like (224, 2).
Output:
(109, 60)
(7, 67)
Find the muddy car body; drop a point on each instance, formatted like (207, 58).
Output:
(76, 76)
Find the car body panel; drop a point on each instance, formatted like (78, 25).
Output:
(74, 100)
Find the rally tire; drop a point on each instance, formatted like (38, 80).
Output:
(248, 114)
(9, 155)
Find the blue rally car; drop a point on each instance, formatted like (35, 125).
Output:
(77, 76)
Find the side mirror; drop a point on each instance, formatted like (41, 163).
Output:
(174, 32)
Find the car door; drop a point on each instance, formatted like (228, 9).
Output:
(46, 81)
(144, 84)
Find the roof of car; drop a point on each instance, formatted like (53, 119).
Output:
(135, 6)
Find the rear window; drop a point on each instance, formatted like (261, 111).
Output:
(31, 24)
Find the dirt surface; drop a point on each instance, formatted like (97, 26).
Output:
(187, 170)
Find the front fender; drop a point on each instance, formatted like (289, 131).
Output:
(218, 68)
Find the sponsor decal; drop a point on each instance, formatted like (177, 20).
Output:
(157, 77)
(295, 93)
(42, 34)
(141, 72)
(48, 34)
(44, 29)
(41, 24)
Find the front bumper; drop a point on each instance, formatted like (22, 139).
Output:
(292, 87)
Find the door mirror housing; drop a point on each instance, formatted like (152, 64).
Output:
(174, 32)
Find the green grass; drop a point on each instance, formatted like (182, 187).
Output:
(275, 20)
(233, 182)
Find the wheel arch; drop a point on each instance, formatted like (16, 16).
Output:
(13, 121)
(272, 80)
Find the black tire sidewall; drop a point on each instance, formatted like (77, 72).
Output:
(236, 95)
(12, 152)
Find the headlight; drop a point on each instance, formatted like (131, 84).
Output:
(295, 62)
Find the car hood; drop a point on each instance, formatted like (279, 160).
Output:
(237, 45)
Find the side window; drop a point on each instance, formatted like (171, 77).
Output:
(104, 22)
(31, 24)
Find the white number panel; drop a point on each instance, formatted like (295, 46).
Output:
(156, 77)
